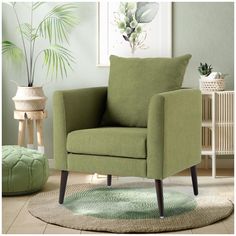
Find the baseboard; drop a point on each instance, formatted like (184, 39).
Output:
(220, 163)
(51, 163)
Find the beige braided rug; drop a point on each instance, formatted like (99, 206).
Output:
(127, 208)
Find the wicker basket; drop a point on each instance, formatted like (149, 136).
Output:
(29, 99)
(207, 84)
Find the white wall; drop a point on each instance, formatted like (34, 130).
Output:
(203, 29)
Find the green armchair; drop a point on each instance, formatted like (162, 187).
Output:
(168, 144)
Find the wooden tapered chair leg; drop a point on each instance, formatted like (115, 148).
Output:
(160, 199)
(193, 170)
(64, 175)
(109, 178)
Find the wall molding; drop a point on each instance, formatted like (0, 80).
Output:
(51, 163)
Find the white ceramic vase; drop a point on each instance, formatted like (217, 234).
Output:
(29, 99)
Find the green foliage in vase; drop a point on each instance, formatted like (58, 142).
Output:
(54, 27)
(205, 69)
(131, 19)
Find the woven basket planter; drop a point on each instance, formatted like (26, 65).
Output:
(211, 85)
(29, 99)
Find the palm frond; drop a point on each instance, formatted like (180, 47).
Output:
(13, 52)
(58, 23)
(12, 4)
(28, 32)
(58, 60)
(37, 4)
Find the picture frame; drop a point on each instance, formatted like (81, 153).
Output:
(155, 39)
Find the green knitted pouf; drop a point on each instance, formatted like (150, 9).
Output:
(24, 170)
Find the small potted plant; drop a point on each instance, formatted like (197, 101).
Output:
(210, 81)
(54, 27)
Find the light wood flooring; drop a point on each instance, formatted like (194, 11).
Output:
(17, 220)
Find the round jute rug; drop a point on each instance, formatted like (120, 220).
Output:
(127, 208)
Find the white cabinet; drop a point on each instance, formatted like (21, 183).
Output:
(217, 125)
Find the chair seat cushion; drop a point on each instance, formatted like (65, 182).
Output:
(109, 141)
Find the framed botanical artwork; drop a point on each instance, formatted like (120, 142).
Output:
(134, 29)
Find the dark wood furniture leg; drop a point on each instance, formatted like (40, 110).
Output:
(160, 200)
(64, 175)
(194, 179)
(109, 177)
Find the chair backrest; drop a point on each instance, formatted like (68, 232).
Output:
(133, 81)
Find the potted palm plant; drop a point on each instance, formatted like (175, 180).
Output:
(55, 27)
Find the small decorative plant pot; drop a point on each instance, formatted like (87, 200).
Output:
(208, 83)
(29, 99)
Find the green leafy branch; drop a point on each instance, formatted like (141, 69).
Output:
(130, 20)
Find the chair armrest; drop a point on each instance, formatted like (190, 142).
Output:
(73, 110)
(174, 132)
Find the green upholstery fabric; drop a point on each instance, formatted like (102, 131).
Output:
(74, 110)
(23, 170)
(118, 166)
(133, 81)
(174, 132)
(115, 141)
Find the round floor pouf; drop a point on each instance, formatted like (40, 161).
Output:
(24, 170)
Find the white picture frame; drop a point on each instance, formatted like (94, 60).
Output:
(157, 43)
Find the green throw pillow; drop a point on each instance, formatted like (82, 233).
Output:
(133, 81)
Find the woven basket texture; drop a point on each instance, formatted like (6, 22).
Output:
(29, 99)
(212, 85)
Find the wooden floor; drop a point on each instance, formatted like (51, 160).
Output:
(17, 220)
